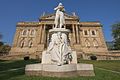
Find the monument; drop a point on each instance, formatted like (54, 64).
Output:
(59, 60)
(58, 47)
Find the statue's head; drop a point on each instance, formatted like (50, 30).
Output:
(59, 33)
(60, 4)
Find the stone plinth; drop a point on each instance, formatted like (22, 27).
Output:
(46, 58)
(63, 30)
(68, 70)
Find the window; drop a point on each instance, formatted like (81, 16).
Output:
(87, 43)
(32, 32)
(93, 32)
(95, 43)
(30, 44)
(24, 32)
(85, 32)
(22, 44)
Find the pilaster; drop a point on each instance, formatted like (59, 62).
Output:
(73, 34)
(43, 34)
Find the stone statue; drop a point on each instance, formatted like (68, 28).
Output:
(59, 18)
(58, 47)
(53, 49)
(59, 50)
(65, 50)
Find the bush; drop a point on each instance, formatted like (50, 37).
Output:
(93, 57)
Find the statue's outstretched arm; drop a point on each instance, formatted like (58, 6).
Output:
(56, 8)
(59, 7)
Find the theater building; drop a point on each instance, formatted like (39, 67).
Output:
(86, 38)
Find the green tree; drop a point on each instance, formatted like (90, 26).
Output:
(116, 35)
(1, 43)
(4, 48)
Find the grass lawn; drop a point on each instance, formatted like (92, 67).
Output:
(8, 71)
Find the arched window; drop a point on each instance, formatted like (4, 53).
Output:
(32, 32)
(85, 32)
(30, 44)
(95, 43)
(24, 32)
(22, 43)
(93, 32)
(87, 43)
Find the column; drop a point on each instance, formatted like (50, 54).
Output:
(43, 34)
(77, 34)
(74, 39)
(40, 34)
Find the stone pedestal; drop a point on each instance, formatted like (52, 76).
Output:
(69, 70)
(46, 58)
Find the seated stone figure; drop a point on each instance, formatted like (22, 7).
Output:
(59, 50)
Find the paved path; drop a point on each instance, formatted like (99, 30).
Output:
(108, 70)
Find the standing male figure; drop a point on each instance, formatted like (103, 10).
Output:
(59, 18)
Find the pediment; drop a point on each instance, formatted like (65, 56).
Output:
(52, 16)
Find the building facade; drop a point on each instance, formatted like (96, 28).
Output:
(31, 38)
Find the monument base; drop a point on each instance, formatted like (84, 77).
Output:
(68, 70)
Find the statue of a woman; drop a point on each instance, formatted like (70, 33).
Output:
(59, 18)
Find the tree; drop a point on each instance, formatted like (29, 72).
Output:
(1, 43)
(116, 35)
(4, 48)
(110, 45)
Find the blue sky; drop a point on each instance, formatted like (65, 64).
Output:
(13, 11)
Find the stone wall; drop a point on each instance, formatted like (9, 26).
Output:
(112, 55)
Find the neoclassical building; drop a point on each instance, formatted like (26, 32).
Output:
(86, 38)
